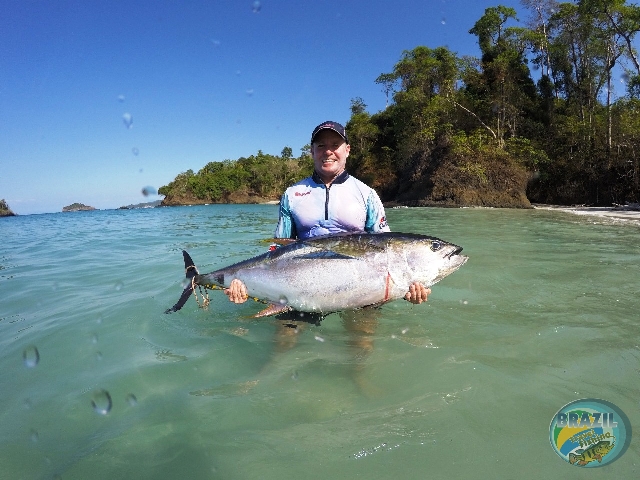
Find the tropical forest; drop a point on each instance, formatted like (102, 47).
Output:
(548, 112)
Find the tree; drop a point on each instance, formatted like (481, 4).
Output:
(287, 153)
(423, 103)
(539, 28)
(363, 135)
(505, 85)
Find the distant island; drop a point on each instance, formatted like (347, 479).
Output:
(157, 203)
(77, 207)
(5, 211)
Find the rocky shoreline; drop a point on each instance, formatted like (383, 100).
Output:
(5, 211)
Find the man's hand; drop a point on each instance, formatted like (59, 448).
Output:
(237, 291)
(417, 293)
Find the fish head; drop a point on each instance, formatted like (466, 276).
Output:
(430, 259)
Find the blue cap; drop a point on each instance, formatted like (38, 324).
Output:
(330, 125)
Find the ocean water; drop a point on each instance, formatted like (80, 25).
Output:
(97, 382)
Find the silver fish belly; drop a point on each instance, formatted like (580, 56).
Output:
(336, 272)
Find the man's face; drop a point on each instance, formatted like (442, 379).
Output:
(329, 152)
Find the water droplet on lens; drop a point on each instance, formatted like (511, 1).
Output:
(249, 92)
(283, 300)
(624, 78)
(132, 400)
(294, 376)
(256, 7)
(443, 21)
(146, 191)
(216, 43)
(31, 356)
(98, 356)
(127, 120)
(319, 338)
(121, 98)
(33, 435)
(94, 338)
(101, 402)
(135, 151)
(118, 286)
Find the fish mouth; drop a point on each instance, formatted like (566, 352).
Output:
(456, 260)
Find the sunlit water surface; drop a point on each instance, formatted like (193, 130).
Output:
(97, 382)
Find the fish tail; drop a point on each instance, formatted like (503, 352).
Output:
(190, 272)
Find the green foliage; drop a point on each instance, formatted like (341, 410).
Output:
(261, 175)
(287, 153)
(522, 150)
(483, 120)
(475, 169)
(5, 211)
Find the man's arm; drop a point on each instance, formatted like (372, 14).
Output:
(376, 219)
(286, 227)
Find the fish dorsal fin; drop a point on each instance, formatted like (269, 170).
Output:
(272, 309)
(282, 241)
(278, 241)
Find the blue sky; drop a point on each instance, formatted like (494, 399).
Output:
(202, 81)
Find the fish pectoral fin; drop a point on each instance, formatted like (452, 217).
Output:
(272, 309)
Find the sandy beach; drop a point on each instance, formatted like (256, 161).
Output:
(626, 213)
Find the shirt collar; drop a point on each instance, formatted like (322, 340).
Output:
(339, 179)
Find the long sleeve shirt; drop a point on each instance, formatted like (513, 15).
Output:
(310, 208)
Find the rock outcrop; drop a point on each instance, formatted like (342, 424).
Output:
(77, 207)
(5, 211)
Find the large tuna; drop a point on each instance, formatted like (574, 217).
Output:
(334, 272)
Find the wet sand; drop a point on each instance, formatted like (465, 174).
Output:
(625, 213)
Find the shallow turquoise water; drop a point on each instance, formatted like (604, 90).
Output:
(546, 311)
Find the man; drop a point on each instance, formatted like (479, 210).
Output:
(330, 201)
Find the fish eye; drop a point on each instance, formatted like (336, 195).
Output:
(435, 246)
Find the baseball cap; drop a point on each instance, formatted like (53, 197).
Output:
(330, 125)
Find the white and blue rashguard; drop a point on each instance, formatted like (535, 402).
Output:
(309, 208)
